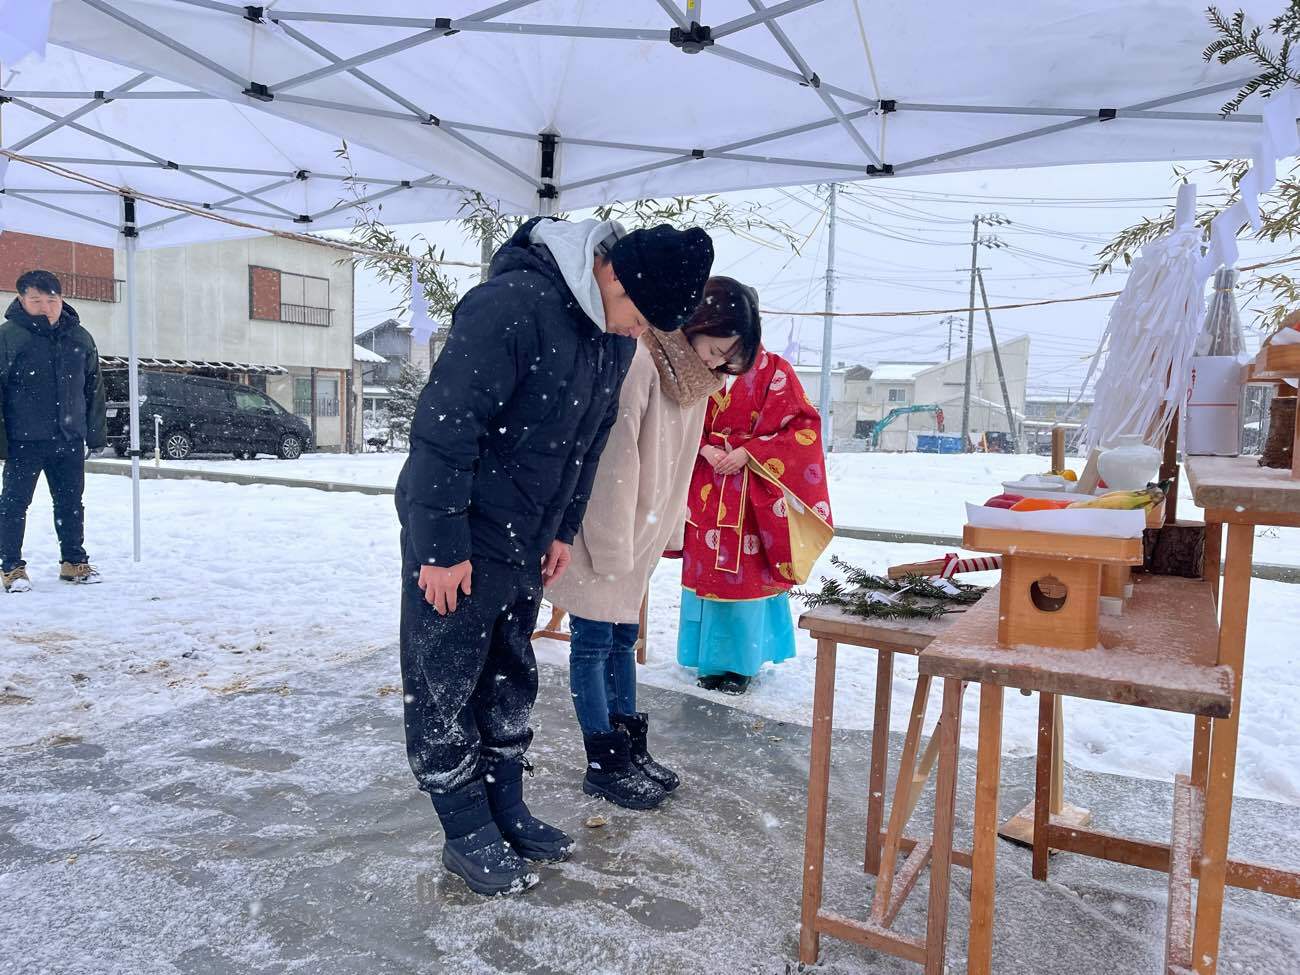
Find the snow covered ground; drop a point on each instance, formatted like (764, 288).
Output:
(243, 586)
(896, 492)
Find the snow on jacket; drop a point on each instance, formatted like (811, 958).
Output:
(509, 429)
(50, 384)
(638, 503)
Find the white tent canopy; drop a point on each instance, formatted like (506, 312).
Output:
(586, 103)
(127, 128)
(546, 104)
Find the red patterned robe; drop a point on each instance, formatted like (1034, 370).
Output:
(757, 533)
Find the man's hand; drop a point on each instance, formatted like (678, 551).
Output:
(442, 587)
(556, 561)
(733, 463)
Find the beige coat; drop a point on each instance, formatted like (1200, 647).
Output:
(638, 502)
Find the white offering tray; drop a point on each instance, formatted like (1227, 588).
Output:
(1102, 522)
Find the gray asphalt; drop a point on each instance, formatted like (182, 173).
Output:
(278, 831)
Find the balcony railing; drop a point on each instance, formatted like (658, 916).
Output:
(86, 287)
(304, 314)
(324, 407)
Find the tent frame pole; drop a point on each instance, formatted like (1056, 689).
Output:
(130, 233)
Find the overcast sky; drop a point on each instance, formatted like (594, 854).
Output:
(904, 244)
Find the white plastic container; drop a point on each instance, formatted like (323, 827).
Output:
(1214, 406)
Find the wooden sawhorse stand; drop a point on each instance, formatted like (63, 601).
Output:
(831, 627)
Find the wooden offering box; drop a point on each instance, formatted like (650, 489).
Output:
(1051, 584)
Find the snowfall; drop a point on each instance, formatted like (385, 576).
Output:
(244, 588)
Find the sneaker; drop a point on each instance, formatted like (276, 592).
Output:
(82, 573)
(16, 580)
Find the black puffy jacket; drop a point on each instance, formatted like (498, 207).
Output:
(50, 384)
(507, 433)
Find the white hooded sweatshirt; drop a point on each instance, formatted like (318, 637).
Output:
(574, 245)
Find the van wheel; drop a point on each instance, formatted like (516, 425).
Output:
(290, 447)
(177, 446)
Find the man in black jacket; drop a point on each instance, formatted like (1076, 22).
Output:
(504, 446)
(52, 398)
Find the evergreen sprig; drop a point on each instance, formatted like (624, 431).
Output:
(1237, 40)
(915, 597)
(1271, 296)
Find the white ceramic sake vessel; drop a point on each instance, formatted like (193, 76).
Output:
(1130, 465)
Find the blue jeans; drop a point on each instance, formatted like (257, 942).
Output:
(602, 671)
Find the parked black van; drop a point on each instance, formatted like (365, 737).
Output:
(202, 415)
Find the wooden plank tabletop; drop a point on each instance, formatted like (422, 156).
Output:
(1159, 654)
(1239, 484)
(908, 634)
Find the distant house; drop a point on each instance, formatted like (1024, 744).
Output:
(1042, 412)
(864, 396)
(394, 344)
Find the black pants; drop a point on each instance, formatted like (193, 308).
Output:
(64, 465)
(469, 679)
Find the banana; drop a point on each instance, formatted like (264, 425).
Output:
(1124, 500)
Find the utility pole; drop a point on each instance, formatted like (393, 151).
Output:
(975, 243)
(486, 248)
(824, 399)
(950, 321)
(1012, 428)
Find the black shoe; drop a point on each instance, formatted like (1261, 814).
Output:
(611, 774)
(637, 726)
(710, 682)
(734, 684)
(531, 838)
(474, 850)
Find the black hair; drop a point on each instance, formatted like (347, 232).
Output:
(729, 310)
(40, 280)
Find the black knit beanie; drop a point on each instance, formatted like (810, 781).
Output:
(663, 271)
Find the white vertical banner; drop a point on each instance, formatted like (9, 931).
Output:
(422, 327)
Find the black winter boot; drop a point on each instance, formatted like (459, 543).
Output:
(475, 850)
(637, 725)
(611, 774)
(531, 838)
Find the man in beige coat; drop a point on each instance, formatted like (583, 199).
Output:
(636, 513)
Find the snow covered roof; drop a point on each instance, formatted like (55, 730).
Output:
(899, 372)
(361, 354)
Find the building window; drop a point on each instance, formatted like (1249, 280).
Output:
(327, 396)
(279, 296)
(897, 394)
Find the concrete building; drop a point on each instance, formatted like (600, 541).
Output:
(865, 396)
(1043, 412)
(395, 343)
(272, 313)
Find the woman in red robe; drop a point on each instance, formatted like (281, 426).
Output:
(758, 518)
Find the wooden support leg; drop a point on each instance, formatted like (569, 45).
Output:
(644, 633)
(1184, 850)
(1213, 556)
(1043, 781)
(1223, 753)
(945, 798)
(898, 809)
(1057, 793)
(984, 852)
(819, 778)
(879, 771)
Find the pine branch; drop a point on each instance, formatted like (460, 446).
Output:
(913, 597)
